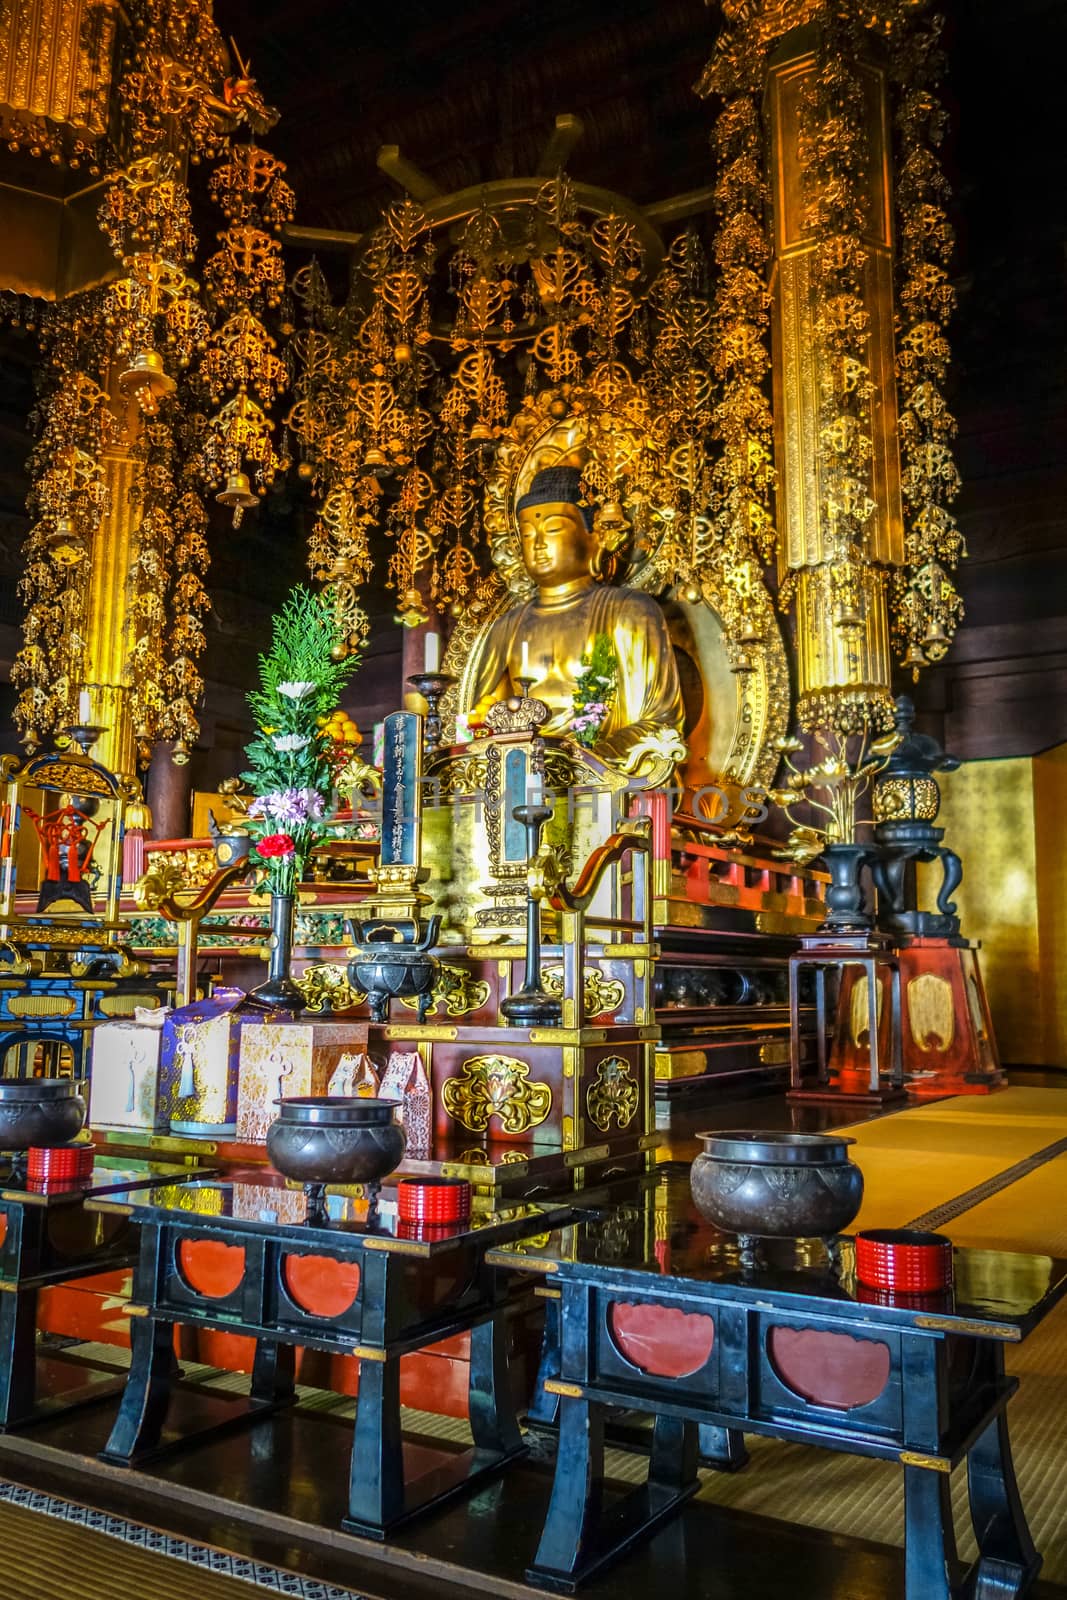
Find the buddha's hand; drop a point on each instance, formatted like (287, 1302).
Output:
(644, 751)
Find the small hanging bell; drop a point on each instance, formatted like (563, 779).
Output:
(66, 543)
(375, 460)
(611, 517)
(914, 657)
(742, 662)
(935, 635)
(750, 633)
(238, 495)
(847, 615)
(147, 380)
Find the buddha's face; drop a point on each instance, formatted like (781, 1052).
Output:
(557, 547)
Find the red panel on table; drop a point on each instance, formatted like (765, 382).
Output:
(829, 1369)
(662, 1340)
(321, 1285)
(3, 1226)
(210, 1267)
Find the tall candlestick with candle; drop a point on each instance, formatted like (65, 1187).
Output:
(431, 683)
(525, 676)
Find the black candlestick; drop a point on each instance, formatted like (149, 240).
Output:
(432, 686)
(85, 735)
(532, 1007)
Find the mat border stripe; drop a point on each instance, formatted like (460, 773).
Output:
(275, 1579)
(951, 1209)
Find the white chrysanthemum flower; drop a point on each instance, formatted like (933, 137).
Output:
(296, 691)
(289, 743)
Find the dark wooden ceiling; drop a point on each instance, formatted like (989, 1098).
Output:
(470, 91)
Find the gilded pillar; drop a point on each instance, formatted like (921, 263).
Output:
(111, 555)
(839, 507)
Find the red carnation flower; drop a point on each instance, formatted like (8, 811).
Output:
(276, 844)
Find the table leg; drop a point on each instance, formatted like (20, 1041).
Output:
(929, 1537)
(376, 1476)
(673, 1462)
(18, 1356)
(544, 1406)
(574, 1509)
(1007, 1560)
(896, 1020)
(872, 1021)
(273, 1373)
(491, 1406)
(722, 1448)
(146, 1398)
(794, 1027)
(823, 1068)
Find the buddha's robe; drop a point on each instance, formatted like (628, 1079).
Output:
(647, 695)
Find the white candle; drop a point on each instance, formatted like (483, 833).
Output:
(524, 670)
(83, 708)
(433, 652)
(535, 793)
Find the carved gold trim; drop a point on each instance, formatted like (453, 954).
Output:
(615, 1093)
(41, 1005)
(496, 1086)
(601, 993)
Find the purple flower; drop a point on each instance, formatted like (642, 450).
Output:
(289, 806)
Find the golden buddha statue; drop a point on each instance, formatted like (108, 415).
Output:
(549, 639)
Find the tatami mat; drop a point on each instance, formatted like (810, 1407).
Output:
(1030, 1215)
(920, 1158)
(58, 1550)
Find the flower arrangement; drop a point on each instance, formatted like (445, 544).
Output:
(594, 690)
(290, 768)
(839, 779)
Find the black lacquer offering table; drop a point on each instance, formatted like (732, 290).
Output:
(47, 1237)
(241, 1256)
(658, 1316)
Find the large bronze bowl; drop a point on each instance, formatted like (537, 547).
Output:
(39, 1111)
(776, 1185)
(335, 1139)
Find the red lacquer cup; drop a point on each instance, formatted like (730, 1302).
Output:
(903, 1260)
(61, 1162)
(435, 1201)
